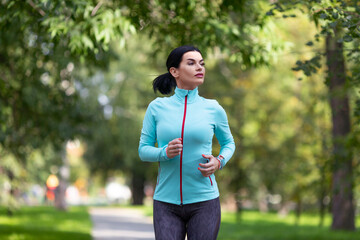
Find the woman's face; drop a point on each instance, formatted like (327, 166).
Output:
(191, 71)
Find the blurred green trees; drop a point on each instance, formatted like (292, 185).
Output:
(338, 24)
(280, 127)
(42, 43)
(122, 93)
(75, 69)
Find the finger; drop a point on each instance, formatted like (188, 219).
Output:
(171, 155)
(208, 166)
(175, 141)
(175, 149)
(176, 146)
(204, 172)
(175, 153)
(207, 156)
(205, 165)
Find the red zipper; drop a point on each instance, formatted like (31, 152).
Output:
(181, 154)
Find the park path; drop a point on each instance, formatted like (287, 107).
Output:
(120, 224)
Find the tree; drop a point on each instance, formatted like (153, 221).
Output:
(41, 44)
(338, 21)
(124, 92)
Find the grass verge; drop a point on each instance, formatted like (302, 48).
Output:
(254, 225)
(46, 223)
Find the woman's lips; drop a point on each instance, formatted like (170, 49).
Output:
(199, 75)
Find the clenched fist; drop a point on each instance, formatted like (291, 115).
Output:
(174, 148)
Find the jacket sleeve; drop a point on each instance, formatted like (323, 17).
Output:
(148, 152)
(224, 136)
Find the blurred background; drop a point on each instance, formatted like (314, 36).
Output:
(76, 79)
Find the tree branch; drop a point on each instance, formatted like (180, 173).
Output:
(39, 10)
(96, 8)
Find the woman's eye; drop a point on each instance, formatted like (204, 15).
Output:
(191, 63)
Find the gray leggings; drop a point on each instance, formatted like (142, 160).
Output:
(200, 221)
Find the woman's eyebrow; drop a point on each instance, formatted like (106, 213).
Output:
(191, 59)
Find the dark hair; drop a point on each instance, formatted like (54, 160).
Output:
(165, 83)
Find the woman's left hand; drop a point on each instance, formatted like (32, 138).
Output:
(210, 167)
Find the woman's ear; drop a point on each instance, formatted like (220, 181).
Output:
(174, 72)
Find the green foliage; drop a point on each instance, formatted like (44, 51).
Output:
(279, 124)
(89, 29)
(11, 177)
(46, 223)
(48, 50)
(357, 111)
(39, 103)
(227, 26)
(122, 95)
(337, 23)
(41, 44)
(330, 16)
(308, 66)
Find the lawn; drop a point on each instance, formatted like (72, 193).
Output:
(270, 226)
(46, 223)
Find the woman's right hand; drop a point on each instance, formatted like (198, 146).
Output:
(174, 148)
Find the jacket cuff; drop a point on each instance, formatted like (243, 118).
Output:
(163, 156)
(221, 160)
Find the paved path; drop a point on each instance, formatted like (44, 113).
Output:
(120, 224)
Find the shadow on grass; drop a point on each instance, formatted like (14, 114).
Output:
(268, 230)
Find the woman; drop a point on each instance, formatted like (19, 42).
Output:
(186, 198)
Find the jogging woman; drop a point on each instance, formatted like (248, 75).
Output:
(177, 133)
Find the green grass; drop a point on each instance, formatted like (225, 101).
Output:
(270, 226)
(46, 223)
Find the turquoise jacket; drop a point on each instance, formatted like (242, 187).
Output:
(195, 119)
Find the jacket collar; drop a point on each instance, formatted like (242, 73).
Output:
(180, 94)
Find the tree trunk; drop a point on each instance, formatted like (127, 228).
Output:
(60, 191)
(10, 205)
(343, 209)
(60, 202)
(239, 207)
(299, 205)
(137, 187)
(322, 194)
(324, 186)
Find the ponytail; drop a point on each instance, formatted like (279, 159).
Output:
(165, 83)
